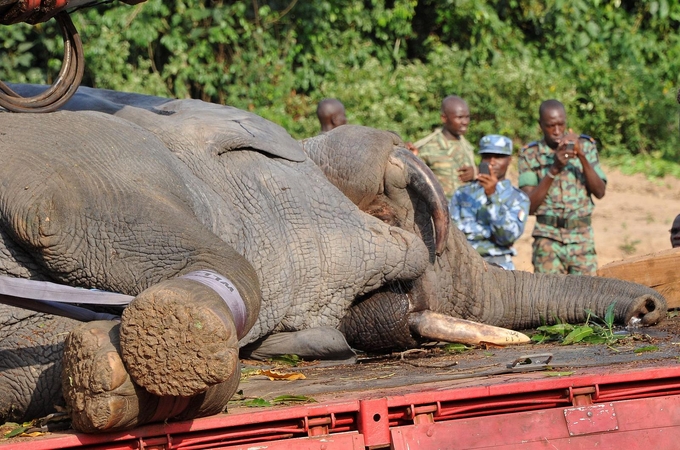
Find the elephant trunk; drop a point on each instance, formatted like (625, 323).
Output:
(473, 289)
(424, 184)
(521, 300)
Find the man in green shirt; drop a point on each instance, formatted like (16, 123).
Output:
(560, 174)
(446, 151)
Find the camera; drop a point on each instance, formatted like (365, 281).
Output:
(484, 168)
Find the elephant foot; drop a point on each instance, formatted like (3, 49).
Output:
(102, 397)
(440, 327)
(178, 338)
(96, 385)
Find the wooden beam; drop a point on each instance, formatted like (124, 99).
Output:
(660, 271)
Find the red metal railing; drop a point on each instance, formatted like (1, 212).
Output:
(376, 422)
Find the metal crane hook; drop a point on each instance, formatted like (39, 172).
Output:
(68, 80)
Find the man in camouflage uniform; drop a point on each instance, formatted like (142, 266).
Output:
(446, 151)
(560, 173)
(491, 211)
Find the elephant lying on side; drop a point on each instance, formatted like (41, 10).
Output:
(163, 199)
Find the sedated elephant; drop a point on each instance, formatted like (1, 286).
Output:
(144, 196)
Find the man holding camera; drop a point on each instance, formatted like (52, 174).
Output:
(560, 174)
(491, 211)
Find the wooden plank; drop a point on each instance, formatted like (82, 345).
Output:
(671, 292)
(659, 270)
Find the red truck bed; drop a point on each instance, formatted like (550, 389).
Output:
(600, 398)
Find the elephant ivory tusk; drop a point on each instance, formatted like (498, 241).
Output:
(440, 327)
(426, 186)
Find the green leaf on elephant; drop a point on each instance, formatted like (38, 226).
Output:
(256, 403)
(456, 348)
(577, 335)
(293, 399)
(648, 348)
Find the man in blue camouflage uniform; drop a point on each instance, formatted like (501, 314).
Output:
(560, 173)
(491, 211)
(446, 151)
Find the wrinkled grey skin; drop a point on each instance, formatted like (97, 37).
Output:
(117, 211)
(231, 180)
(458, 283)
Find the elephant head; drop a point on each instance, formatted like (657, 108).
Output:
(373, 168)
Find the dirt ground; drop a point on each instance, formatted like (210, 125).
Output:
(633, 218)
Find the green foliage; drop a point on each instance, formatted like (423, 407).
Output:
(287, 360)
(578, 334)
(456, 348)
(286, 399)
(605, 328)
(614, 64)
(256, 403)
(18, 430)
(596, 330)
(654, 167)
(646, 349)
(557, 374)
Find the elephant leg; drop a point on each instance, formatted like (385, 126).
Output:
(95, 383)
(101, 395)
(179, 337)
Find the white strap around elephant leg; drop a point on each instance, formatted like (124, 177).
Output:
(226, 290)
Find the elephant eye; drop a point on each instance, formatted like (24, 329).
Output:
(384, 213)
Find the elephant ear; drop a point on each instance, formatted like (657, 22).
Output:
(374, 170)
(226, 129)
(354, 158)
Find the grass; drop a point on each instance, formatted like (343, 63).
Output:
(652, 168)
(629, 247)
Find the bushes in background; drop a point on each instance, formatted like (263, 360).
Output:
(615, 64)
